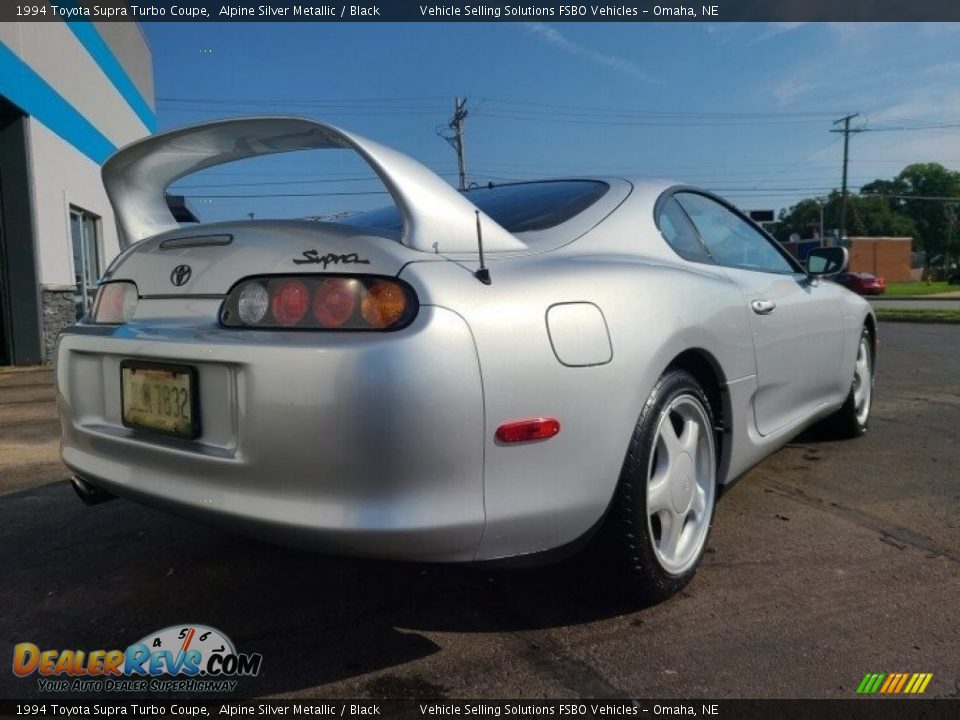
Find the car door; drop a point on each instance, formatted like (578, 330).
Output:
(797, 324)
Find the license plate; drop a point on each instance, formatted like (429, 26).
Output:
(160, 398)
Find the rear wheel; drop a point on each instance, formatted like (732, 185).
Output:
(852, 419)
(665, 498)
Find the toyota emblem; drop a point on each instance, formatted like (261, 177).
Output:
(180, 275)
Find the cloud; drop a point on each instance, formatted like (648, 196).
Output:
(554, 37)
(945, 69)
(788, 90)
(773, 29)
(863, 35)
(884, 154)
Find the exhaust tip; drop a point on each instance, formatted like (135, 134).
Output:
(90, 494)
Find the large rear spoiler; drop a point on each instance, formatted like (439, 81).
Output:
(436, 218)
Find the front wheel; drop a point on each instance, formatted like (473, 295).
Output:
(852, 419)
(665, 497)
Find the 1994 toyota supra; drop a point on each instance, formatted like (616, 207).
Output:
(459, 377)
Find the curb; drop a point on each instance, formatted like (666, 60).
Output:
(898, 298)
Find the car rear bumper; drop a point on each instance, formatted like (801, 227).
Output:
(368, 444)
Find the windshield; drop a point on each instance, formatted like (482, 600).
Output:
(518, 208)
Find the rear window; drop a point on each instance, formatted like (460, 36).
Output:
(518, 208)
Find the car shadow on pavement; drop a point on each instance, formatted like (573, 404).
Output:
(104, 577)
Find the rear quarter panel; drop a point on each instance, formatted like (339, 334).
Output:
(545, 494)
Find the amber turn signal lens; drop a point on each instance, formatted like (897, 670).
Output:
(384, 304)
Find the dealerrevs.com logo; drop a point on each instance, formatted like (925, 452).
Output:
(180, 658)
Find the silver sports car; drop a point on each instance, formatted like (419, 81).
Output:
(458, 377)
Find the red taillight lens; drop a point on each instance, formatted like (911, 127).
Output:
(320, 302)
(335, 301)
(289, 301)
(527, 430)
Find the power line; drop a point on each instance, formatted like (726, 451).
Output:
(658, 113)
(292, 195)
(300, 101)
(653, 122)
(261, 183)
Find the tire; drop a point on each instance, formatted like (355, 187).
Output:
(668, 481)
(853, 418)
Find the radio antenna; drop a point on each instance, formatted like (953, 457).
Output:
(482, 274)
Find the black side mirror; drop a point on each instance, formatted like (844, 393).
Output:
(827, 261)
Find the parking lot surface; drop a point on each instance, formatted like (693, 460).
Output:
(827, 561)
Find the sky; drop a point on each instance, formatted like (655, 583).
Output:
(743, 109)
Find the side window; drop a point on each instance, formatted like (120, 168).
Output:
(86, 257)
(731, 240)
(679, 233)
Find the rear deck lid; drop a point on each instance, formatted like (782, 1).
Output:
(210, 259)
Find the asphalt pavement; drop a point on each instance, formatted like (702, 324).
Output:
(827, 561)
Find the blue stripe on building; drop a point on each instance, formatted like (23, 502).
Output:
(20, 84)
(88, 36)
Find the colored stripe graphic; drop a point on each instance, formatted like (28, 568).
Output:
(26, 89)
(90, 38)
(894, 683)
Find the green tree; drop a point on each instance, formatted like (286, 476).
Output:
(922, 202)
(803, 218)
(873, 216)
(866, 215)
(936, 221)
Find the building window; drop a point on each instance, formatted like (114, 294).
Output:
(84, 232)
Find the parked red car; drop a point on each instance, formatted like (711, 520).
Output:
(861, 283)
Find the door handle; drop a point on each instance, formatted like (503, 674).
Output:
(763, 307)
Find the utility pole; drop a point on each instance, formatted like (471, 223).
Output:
(847, 132)
(820, 202)
(456, 124)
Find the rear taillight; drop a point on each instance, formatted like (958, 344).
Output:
(320, 302)
(289, 302)
(115, 304)
(336, 301)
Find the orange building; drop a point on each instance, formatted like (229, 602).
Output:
(886, 257)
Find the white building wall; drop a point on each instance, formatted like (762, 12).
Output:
(63, 176)
(103, 74)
